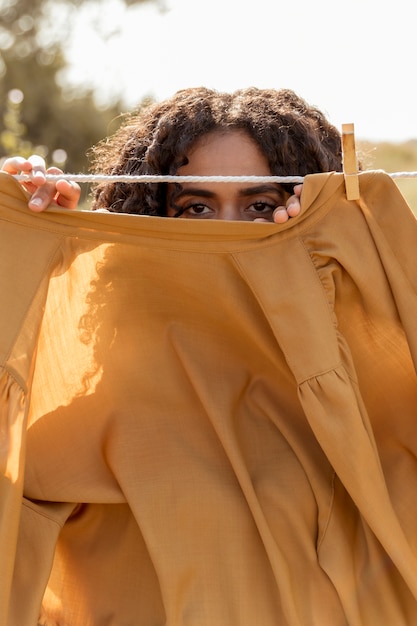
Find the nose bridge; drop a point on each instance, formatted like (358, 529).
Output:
(228, 202)
(229, 211)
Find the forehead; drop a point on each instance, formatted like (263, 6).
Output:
(226, 153)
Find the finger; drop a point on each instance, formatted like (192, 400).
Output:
(43, 193)
(14, 165)
(293, 209)
(68, 194)
(293, 206)
(18, 165)
(62, 193)
(298, 189)
(43, 196)
(41, 199)
(38, 169)
(280, 215)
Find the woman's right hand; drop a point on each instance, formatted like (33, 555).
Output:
(44, 193)
(292, 207)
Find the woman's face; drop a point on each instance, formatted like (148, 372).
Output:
(226, 153)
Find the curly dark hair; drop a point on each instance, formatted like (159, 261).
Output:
(295, 137)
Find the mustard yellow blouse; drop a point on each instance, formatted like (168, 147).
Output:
(210, 423)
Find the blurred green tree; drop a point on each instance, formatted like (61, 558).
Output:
(38, 110)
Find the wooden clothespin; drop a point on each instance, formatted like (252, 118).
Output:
(350, 162)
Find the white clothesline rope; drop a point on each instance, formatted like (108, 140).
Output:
(403, 175)
(162, 178)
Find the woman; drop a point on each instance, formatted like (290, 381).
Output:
(221, 415)
(278, 133)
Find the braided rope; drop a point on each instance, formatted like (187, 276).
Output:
(161, 178)
(403, 175)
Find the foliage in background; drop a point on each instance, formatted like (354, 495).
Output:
(39, 111)
(53, 114)
(393, 157)
(47, 118)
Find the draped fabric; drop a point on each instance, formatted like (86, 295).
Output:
(209, 423)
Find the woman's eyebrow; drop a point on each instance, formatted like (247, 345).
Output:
(247, 191)
(260, 189)
(194, 191)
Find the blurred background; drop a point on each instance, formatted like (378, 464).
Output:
(70, 69)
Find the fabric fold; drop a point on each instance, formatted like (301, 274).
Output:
(209, 423)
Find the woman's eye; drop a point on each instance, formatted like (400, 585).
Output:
(197, 209)
(262, 207)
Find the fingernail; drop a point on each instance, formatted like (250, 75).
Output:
(36, 203)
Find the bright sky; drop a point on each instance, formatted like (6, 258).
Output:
(355, 60)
